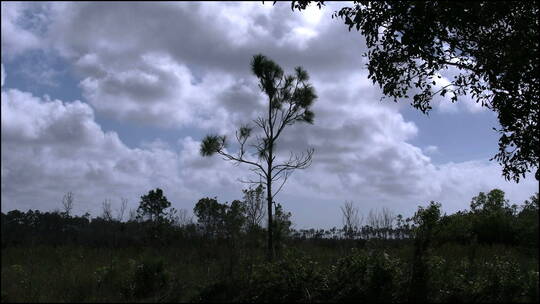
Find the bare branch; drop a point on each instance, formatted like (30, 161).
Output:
(67, 203)
(295, 161)
(106, 210)
(286, 176)
(230, 157)
(351, 219)
(120, 212)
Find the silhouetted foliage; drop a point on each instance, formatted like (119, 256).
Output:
(527, 223)
(491, 45)
(493, 218)
(351, 219)
(67, 203)
(153, 205)
(426, 223)
(220, 220)
(253, 198)
(211, 216)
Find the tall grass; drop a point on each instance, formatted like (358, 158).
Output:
(148, 274)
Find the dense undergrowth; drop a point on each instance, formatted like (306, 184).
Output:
(373, 273)
(487, 254)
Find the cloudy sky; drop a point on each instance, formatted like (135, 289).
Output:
(111, 100)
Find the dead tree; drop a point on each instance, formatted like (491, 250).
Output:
(120, 212)
(351, 219)
(106, 208)
(67, 203)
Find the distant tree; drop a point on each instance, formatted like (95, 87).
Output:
(289, 101)
(153, 205)
(381, 222)
(152, 211)
(183, 218)
(426, 221)
(235, 218)
(254, 204)
(133, 215)
(106, 212)
(528, 222)
(67, 203)
(350, 218)
(388, 219)
(210, 215)
(532, 204)
(493, 218)
(375, 222)
(491, 202)
(458, 228)
(426, 224)
(492, 46)
(120, 212)
(221, 220)
(402, 227)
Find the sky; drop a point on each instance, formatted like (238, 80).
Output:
(111, 100)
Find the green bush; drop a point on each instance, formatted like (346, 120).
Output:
(531, 289)
(148, 278)
(502, 281)
(499, 280)
(220, 291)
(294, 278)
(104, 275)
(370, 277)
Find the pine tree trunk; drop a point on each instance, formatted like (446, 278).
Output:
(269, 181)
(270, 252)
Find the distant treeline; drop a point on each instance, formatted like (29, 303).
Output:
(490, 220)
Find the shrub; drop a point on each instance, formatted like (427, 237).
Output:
(294, 278)
(531, 289)
(500, 280)
(220, 291)
(148, 277)
(369, 277)
(103, 275)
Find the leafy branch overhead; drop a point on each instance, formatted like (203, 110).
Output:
(490, 47)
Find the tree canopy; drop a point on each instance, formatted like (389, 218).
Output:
(489, 47)
(153, 205)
